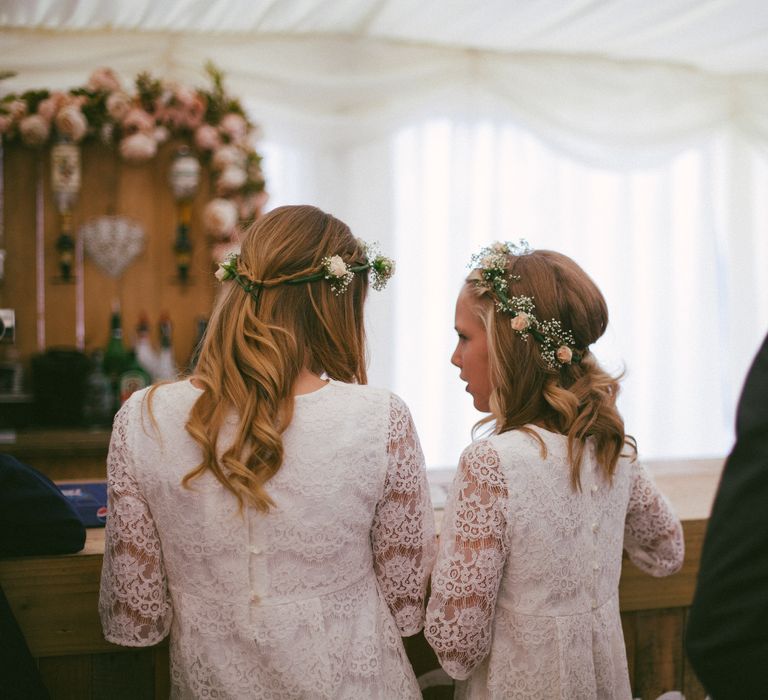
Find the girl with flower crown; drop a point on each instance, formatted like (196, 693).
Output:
(271, 512)
(524, 600)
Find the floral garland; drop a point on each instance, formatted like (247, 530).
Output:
(210, 120)
(557, 344)
(333, 268)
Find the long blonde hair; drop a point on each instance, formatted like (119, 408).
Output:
(577, 400)
(254, 349)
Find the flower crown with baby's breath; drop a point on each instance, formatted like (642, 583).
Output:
(332, 268)
(557, 344)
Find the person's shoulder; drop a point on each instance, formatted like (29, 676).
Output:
(367, 392)
(524, 442)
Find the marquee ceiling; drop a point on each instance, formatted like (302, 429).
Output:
(720, 36)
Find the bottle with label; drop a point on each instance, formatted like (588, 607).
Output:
(98, 405)
(166, 367)
(133, 378)
(145, 353)
(115, 356)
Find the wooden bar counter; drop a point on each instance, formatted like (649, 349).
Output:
(55, 601)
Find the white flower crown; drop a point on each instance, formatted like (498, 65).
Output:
(332, 268)
(558, 346)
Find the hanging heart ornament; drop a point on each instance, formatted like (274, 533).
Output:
(112, 242)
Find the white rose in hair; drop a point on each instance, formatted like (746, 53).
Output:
(220, 217)
(337, 267)
(521, 321)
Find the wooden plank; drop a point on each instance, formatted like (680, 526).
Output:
(67, 677)
(55, 601)
(127, 675)
(639, 591)
(659, 652)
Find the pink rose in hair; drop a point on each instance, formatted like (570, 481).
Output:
(34, 130)
(103, 79)
(5, 123)
(521, 322)
(71, 122)
(564, 355)
(138, 147)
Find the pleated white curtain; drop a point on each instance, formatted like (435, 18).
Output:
(678, 249)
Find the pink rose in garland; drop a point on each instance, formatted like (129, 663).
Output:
(135, 122)
(34, 130)
(71, 123)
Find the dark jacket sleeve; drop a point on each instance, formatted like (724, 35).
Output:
(727, 634)
(34, 516)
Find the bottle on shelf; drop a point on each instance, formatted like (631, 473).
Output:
(115, 356)
(98, 405)
(133, 378)
(145, 353)
(166, 366)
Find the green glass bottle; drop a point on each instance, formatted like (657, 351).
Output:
(115, 356)
(133, 378)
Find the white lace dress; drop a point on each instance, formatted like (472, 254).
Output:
(309, 601)
(524, 597)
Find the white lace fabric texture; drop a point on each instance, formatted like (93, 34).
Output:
(308, 601)
(524, 601)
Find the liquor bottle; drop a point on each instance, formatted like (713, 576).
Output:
(166, 367)
(98, 406)
(115, 356)
(133, 378)
(145, 353)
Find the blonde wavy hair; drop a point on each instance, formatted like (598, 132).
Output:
(577, 400)
(254, 349)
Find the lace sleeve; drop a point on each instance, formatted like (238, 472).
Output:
(134, 603)
(470, 563)
(653, 535)
(403, 534)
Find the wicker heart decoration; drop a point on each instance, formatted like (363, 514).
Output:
(112, 242)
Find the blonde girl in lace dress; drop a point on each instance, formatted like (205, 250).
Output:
(271, 512)
(524, 599)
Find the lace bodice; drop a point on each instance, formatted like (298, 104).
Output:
(525, 589)
(309, 600)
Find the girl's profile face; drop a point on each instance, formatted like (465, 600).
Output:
(471, 353)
